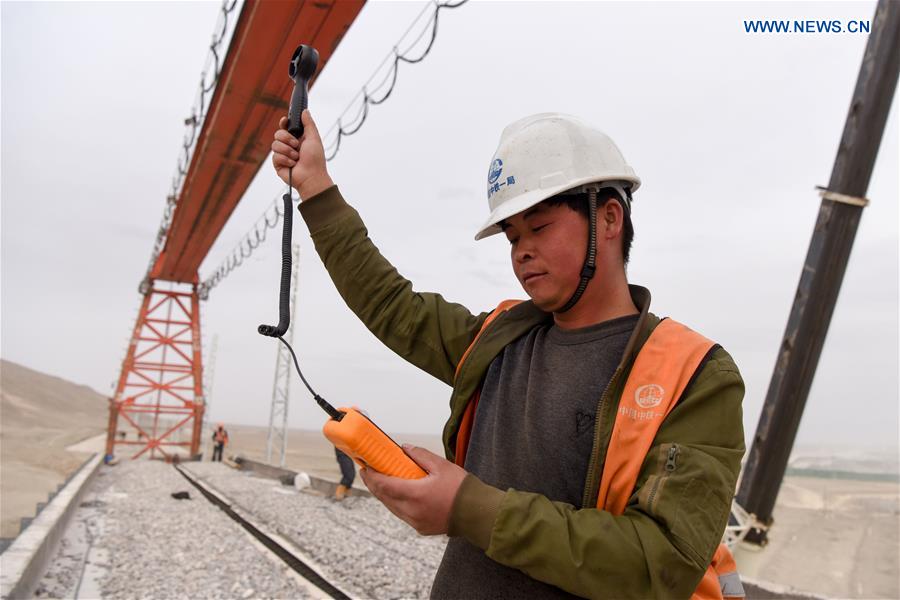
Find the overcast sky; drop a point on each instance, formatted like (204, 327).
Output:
(729, 131)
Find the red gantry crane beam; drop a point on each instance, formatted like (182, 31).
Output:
(159, 395)
(252, 94)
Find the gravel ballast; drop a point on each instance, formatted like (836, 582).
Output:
(130, 538)
(358, 543)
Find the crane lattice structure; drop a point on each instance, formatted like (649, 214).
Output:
(281, 387)
(159, 394)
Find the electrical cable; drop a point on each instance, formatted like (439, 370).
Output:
(284, 312)
(368, 98)
(328, 408)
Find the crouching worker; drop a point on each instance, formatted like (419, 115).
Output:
(592, 448)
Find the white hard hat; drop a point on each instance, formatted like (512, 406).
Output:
(547, 154)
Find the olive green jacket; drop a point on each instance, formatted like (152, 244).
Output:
(674, 520)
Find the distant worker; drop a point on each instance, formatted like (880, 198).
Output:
(220, 438)
(348, 474)
(592, 448)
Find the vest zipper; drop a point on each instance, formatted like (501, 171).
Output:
(593, 465)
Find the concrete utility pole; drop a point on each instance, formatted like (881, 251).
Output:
(823, 271)
(277, 438)
(208, 385)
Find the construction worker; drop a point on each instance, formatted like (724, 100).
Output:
(592, 448)
(220, 439)
(348, 474)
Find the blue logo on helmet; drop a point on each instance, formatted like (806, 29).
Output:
(495, 170)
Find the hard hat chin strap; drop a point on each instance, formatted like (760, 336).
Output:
(590, 261)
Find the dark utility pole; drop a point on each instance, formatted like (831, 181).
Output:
(823, 270)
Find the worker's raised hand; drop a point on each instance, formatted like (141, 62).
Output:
(424, 503)
(304, 159)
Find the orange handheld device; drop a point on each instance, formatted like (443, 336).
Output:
(361, 439)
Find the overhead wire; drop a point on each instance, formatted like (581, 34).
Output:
(192, 124)
(251, 240)
(368, 96)
(244, 248)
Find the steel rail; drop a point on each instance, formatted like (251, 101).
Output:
(276, 546)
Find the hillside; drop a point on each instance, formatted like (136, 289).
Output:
(39, 416)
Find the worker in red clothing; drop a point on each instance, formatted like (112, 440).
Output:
(220, 438)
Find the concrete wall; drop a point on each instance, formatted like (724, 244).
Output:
(23, 564)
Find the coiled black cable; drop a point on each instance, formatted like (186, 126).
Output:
(284, 302)
(284, 298)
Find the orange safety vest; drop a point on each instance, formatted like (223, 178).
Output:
(666, 363)
(221, 436)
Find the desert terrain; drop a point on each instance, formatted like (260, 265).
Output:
(40, 416)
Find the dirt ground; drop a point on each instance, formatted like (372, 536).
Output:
(41, 416)
(836, 537)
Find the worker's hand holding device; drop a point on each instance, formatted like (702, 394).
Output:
(427, 503)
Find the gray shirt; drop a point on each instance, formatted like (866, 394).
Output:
(533, 432)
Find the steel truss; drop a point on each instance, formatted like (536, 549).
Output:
(159, 396)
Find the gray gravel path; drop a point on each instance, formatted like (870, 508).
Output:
(368, 551)
(130, 539)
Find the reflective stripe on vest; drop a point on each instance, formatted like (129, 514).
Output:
(727, 573)
(721, 579)
(664, 367)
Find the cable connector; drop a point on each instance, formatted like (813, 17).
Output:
(332, 411)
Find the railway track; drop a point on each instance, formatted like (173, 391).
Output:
(305, 568)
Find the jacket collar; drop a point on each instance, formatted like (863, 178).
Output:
(527, 315)
(645, 325)
(523, 317)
